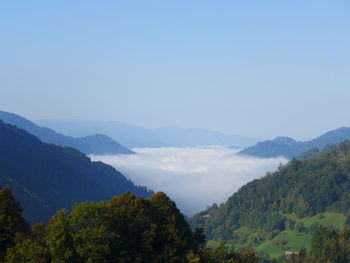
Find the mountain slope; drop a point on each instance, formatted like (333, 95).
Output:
(46, 177)
(270, 149)
(302, 188)
(91, 144)
(135, 136)
(289, 148)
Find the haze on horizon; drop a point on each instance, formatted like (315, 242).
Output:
(257, 68)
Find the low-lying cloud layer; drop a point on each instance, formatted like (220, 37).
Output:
(193, 177)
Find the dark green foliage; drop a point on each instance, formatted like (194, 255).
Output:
(314, 227)
(221, 254)
(347, 218)
(30, 248)
(320, 239)
(11, 220)
(299, 227)
(173, 234)
(130, 219)
(46, 178)
(80, 236)
(92, 144)
(125, 229)
(303, 187)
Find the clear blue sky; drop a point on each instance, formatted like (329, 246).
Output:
(258, 68)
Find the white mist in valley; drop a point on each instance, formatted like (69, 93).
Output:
(193, 177)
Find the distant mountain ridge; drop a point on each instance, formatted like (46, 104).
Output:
(47, 177)
(289, 148)
(90, 144)
(135, 136)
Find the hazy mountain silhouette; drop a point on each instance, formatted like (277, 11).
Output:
(136, 136)
(289, 148)
(47, 177)
(90, 144)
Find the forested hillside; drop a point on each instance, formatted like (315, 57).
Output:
(282, 201)
(46, 177)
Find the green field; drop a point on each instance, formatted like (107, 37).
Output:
(285, 241)
(335, 220)
(290, 240)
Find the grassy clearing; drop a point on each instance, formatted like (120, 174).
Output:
(270, 249)
(290, 240)
(285, 241)
(213, 243)
(335, 220)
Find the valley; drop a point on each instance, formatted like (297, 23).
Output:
(175, 131)
(194, 177)
(271, 205)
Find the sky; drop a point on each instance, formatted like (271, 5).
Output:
(254, 68)
(193, 177)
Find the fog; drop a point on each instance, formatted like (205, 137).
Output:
(193, 177)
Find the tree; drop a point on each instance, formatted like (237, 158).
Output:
(11, 220)
(60, 240)
(174, 237)
(91, 240)
(130, 221)
(31, 248)
(320, 238)
(222, 254)
(127, 229)
(299, 226)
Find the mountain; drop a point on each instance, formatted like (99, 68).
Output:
(289, 148)
(90, 144)
(293, 201)
(135, 136)
(129, 135)
(269, 149)
(47, 177)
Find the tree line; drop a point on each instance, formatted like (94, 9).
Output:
(125, 229)
(129, 228)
